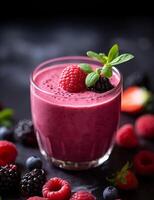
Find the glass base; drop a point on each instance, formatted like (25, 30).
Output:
(68, 165)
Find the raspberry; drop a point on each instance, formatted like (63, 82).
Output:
(56, 189)
(37, 198)
(144, 126)
(82, 195)
(8, 152)
(144, 162)
(125, 137)
(72, 79)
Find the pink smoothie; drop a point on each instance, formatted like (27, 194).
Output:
(76, 127)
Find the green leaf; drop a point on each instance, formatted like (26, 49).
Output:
(93, 55)
(106, 71)
(121, 59)
(6, 123)
(103, 58)
(91, 79)
(6, 113)
(113, 53)
(86, 68)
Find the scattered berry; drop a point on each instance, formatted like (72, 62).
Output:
(126, 137)
(125, 179)
(135, 99)
(8, 152)
(32, 182)
(6, 134)
(37, 198)
(102, 85)
(110, 193)
(82, 195)
(56, 189)
(72, 79)
(9, 179)
(144, 162)
(137, 79)
(144, 126)
(24, 133)
(34, 162)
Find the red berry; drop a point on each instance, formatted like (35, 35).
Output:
(134, 99)
(37, 198)
(144, 126)
(129, 181)
(82, 195)
(144, 162)
(126, 137)
(72, 79)
(8, 152)
(56, 189)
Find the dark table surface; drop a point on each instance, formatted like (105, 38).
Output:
(24, 44)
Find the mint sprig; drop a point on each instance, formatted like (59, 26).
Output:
(108, 61)
(6, 116)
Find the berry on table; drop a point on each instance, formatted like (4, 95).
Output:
(144, 162)
(56, 189)
(34, 162)
(125, 179)
(32, 182)
(144, 126)
(8, 152)
(126, 137)
(82, 195)
(135, 99)
(72, 79)
(9, 179)
(24, 133)
(110, 193)
(6, 134)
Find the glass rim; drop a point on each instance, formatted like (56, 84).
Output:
(75, 58)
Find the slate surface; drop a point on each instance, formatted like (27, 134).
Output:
(24, 44)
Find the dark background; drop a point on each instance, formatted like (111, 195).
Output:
(27, 41)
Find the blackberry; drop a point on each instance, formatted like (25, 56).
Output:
(102, 85)
(24, 133)
(32, 182)
(137, 79)
(9, 179)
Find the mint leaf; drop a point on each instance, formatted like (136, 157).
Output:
(106, 71)
(6, 113)
(121, 59)
(6, 123)
(103, 58)
(86, 68)
(91, 79)
(113, 53)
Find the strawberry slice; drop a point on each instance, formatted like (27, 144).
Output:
(134, 99)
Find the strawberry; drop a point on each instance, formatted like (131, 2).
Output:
(125, 179)
(126, 137)
(144, 126)
(144, 162)
(135, 99)
(72, 79)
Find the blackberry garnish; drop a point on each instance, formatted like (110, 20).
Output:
(32, 182)
(102, 85)
(9, 179)
(24, 133)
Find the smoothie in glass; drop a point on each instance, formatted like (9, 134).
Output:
(74, 130)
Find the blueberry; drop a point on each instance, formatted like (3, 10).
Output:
(6, 134)
(110, 193)
(34, 162)
(137, 79)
